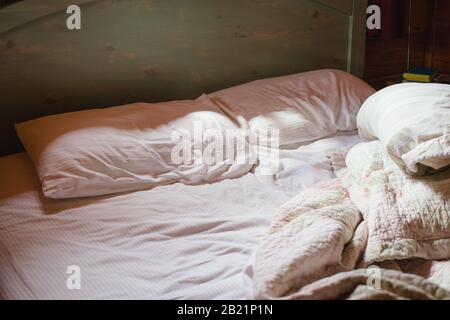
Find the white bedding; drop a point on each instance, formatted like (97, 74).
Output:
(373, 215)
(170, 242)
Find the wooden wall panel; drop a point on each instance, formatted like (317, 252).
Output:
(23, 12)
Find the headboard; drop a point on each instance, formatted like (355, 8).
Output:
(154, 50)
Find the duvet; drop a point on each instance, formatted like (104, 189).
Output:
(374, 232)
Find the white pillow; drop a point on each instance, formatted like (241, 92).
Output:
(304, 107)
(130, 147)
(412, 120)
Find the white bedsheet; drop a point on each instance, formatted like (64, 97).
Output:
(171, 242)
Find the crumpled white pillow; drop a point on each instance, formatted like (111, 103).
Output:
(412, 120)
(303, 107)
(126, 148)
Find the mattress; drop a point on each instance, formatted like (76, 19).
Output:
(170, 242)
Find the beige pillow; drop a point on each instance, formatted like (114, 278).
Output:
(130, 147)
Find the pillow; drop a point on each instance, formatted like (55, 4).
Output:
(303, 107)
(130, 147)
(412, 120)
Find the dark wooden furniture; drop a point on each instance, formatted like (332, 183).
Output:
(388, 59)
(438, 45)
(423, 39)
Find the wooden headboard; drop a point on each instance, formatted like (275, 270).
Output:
(154, 50)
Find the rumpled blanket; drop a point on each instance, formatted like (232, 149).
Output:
(354, 236)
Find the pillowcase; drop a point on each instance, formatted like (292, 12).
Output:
(412, 120)
(303, 107)
(130, 147)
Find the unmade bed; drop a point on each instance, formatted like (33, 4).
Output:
(101, 199)
(170, 242)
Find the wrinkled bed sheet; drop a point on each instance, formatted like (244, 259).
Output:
(170, 242)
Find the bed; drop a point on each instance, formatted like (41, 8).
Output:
(141, 245)
(175, 241)
(169, 237)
